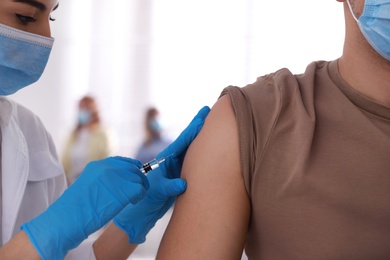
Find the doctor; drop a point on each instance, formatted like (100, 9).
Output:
(40, 218)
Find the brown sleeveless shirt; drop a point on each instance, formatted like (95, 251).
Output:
(315, 156)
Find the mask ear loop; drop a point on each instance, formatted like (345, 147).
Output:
(353, 14)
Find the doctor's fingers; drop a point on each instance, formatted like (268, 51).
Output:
(123, 191)
(124, 186)
(123, 180)
(127, 168)
(135, 162)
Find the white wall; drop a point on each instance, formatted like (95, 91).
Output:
(175, 54)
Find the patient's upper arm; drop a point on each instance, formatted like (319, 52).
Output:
(210, 219)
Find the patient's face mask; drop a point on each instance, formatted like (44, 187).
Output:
(375, 25)
(23, 57)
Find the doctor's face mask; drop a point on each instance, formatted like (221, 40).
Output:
(374, 23)
(23, 58)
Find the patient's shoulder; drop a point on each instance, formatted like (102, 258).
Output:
(210, 219)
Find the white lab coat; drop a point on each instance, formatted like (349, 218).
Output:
(32, 176)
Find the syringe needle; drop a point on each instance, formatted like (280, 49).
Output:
(153, 164)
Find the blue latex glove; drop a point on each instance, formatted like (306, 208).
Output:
(165, 185)
(103, 189)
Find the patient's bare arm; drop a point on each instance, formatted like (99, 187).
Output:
(210, 219)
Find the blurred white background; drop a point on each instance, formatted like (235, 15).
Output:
(175, 54)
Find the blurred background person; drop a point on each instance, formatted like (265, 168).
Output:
(155, 141)
(87, 142)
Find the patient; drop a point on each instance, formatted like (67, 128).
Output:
(295, 166)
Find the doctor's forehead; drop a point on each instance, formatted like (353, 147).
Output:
(42, 5)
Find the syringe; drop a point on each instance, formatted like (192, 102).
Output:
(153, 164)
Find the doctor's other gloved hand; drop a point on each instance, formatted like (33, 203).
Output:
(103, 189)
(165, 184)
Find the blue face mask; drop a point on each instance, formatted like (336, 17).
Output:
(375, 25)
(23, 57)
(155, 125)
(84, 117)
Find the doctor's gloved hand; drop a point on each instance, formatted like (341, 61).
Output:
(103, 189)
(165, 184)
